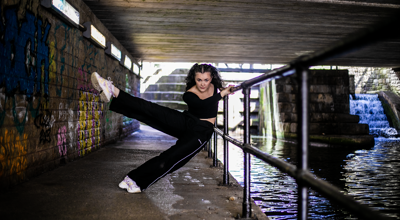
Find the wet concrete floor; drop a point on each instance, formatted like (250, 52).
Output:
(88, 188)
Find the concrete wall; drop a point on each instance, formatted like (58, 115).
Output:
(49, 111)
(373, 80)
(391, 105)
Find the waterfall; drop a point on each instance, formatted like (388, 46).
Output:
(370, 110)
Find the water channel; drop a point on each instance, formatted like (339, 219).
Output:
(370, 175)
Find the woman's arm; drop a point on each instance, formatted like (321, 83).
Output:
(226, 91)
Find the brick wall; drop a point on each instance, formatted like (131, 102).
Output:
(49, 111)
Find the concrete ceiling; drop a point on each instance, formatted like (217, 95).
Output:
(246, 31)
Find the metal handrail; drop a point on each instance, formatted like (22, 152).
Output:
(321, 186)
(303, 177)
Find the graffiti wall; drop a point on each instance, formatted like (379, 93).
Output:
(49, 111)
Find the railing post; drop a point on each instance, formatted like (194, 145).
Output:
(215, 159)
(302, 133)
(246, 138)
(205, 148)
(226, 151)
(210, 148)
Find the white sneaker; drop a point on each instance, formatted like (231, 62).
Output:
(105, 87)
(129, 185)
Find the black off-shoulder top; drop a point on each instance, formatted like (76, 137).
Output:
(202, 108)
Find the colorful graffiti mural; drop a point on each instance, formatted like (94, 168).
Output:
(62, 141)
(49, 110)
(25, 58)
(89, 113)
(23, 63)
(44, 122)
(13, 151)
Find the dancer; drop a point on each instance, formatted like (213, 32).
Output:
(192, 128)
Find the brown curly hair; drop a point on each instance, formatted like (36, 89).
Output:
(202, 68)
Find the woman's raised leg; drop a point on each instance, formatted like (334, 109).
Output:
(164, 119)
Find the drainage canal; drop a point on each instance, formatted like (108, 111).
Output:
(370, 175)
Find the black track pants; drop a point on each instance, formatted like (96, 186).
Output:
(192, 134)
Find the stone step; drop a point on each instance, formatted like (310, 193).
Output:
(322, 117)
(178, 105)
(173, 78)
(180, 71)
(162, 95)
(288, 107)
(314, 98)
(364, 141)
(320, 77)
(339, 128)
(328, 128)
(254, 122)
(332, 89)
(167, 87)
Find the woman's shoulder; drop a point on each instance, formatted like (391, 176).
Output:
(190, 94)
(193, 92)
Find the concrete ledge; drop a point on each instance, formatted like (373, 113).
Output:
(364, 141)
(327, 128)
(342, 140)
(391, 105)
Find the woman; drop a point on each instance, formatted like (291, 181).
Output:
(193, 128)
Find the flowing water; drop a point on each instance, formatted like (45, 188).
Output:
(370, 110)
(371, 175)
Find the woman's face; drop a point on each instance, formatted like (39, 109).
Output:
(203, 81)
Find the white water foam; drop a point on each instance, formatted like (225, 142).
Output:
(370, 110)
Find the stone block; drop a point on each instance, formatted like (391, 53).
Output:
(285, 117)
(284, 127)
(293, 128)
(341, 90)
(285, 81)
(346, 118)
(324, 98)
(320, 89)
(339, 128)
(343, 98)
(317, 117)
(285, 107)
(353, 129)
(290, 89)
(293, 117)
(280, 88)
(283, 97)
